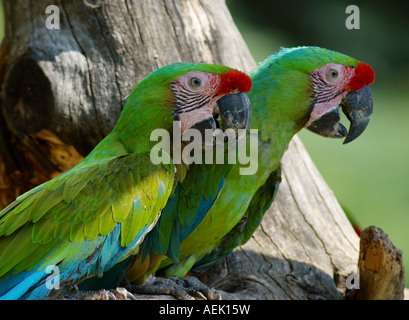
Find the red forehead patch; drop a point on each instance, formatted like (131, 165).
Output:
(364, 75)
(234, 80)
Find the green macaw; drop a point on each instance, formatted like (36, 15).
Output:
(295, 88)
(83, 222)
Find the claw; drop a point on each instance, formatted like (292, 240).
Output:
(184, 288)
(114, 294)
(197, 288)
(123, 294)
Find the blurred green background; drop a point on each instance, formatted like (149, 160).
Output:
(370, 176)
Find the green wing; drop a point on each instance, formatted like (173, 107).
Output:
(97, 212)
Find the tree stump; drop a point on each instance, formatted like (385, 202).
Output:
(63, 90)
(381, 270)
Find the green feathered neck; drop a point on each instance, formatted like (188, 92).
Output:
(149, 107)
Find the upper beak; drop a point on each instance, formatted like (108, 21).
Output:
(357, 106)
(235, 111)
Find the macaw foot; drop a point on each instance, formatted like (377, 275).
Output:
(183, 288)
(113, 294)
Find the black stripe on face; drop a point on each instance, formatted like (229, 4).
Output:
(323, 92)
(187, 101)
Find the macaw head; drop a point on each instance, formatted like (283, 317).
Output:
(311, 84)
(189, 93)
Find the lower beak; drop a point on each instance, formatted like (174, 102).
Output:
(231, 112)
(328, 125)
(207, 123)
(357, 106)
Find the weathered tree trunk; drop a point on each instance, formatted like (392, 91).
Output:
(62, 92)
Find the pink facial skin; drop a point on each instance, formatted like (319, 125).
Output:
(329, 85)
(196, 93)
(189, 95)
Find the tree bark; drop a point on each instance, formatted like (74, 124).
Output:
(63, 90)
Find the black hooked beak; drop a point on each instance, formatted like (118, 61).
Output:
(357, 106)
(232, 111)
(235, 111)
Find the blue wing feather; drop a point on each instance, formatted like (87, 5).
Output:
(33, 284)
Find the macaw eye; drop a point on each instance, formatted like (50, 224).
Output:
(333, 74)
(195, 82)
